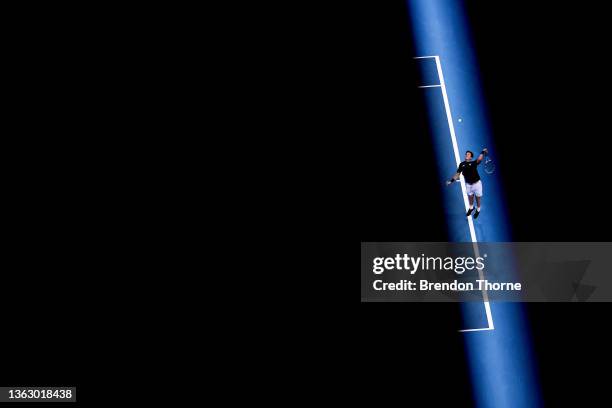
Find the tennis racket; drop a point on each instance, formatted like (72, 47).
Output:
(489, 165)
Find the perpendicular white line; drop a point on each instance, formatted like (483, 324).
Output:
(427, 56)
(451, 127)
(430, 86)
(473, 330)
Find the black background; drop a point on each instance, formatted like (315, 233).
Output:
(543, 69)
(54, 284)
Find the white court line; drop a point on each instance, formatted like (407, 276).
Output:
(449, 117)
(481, 329)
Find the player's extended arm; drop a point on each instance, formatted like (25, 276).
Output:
(453, 179)
(482, 155)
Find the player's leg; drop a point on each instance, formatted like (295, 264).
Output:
(470, 194)
(478, 194)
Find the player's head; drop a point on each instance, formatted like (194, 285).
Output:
(469, 155)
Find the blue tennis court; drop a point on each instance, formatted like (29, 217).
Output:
(495, 334)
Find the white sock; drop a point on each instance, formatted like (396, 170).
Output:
(478, 209)
(471, 207)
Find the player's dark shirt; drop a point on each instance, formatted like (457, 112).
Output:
(469, 170)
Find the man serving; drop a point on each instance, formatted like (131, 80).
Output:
(473, 184)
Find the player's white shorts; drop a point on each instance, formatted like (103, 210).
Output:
(475, 188)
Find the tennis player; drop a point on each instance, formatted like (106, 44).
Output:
(473, 184)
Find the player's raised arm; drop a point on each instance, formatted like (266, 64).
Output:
(482, 155)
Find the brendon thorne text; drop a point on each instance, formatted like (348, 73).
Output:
(425, 285)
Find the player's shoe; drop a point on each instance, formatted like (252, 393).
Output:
(476, 214)
(469, 212)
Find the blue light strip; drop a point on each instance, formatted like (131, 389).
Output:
(501, 360)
